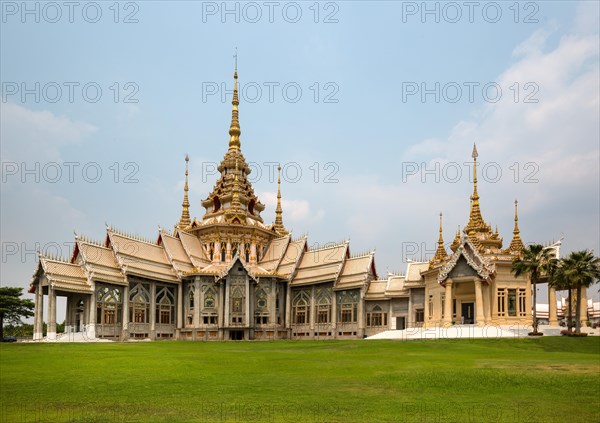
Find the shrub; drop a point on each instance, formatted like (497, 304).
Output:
(535, 334)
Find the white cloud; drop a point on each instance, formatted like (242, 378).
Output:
(294, 211)
(38, 135)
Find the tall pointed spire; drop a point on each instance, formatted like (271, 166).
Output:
(516, 244)
(185, 221)
(279, 211)
(234, 127)
(476, 222)
(440, 253)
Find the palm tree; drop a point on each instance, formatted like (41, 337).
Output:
(538, 262)
(559, 281)
(583, 270)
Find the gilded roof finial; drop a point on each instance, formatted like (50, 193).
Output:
(185, 221)
(516, 244)
(234, 128)
(279, 211)
(440, 253)
(476, 222)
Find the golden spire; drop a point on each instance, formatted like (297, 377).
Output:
(475, 219)
(440, 253)
(516, 244)
(279, 211)
(185, 213)
(234, 128)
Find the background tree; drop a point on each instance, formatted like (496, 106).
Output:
(560, 281)
(13, 307)
(537, 262)
(583, 270)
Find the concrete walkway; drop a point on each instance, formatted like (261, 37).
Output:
(472, 332)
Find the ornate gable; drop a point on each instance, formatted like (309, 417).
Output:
(484, 268)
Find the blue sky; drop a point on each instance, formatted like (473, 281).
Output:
(388, 158)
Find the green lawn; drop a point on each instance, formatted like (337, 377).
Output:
(552, 379)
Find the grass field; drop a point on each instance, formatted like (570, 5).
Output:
(552, 379)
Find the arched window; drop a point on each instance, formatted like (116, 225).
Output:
(191, 297)
(324, 304)
(209, 298)
(347, 306)
(251, 206)
(216, 204)
(108, 305)
(377, 317)
(165, 306)
(301, 306)
(139, 304)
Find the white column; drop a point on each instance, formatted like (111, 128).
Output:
(248, 322)
(478, 303)
(583, 307)
(272, 304)
(38, 320)
(361, 313)
(179, 306)
(288, 305)
(552, 317)
(312, 308)
(227, 320)
(228, 252)
(125, 315)
(253, 257)
(448, 303)
(334, 313)
(51, 312)
(152, 310)
(91, 326)
(196, 318)
(217, 252)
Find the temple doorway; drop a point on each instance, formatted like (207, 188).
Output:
(468, 313)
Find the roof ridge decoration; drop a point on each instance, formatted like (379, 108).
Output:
(361, 254)
(471, 254)
(85, 240)
(132, 236)
(55, 258)
(330, 246)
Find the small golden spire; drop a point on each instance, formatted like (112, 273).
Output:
(440, 253)
(516, 244)
(234, 128)
(279, 211)
(185, 213)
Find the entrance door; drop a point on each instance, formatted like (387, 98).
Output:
(236, 335)
(468, 313)
(400, 323)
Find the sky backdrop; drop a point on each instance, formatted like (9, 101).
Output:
(372, 109)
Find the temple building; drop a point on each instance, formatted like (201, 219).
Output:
(231, 276)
